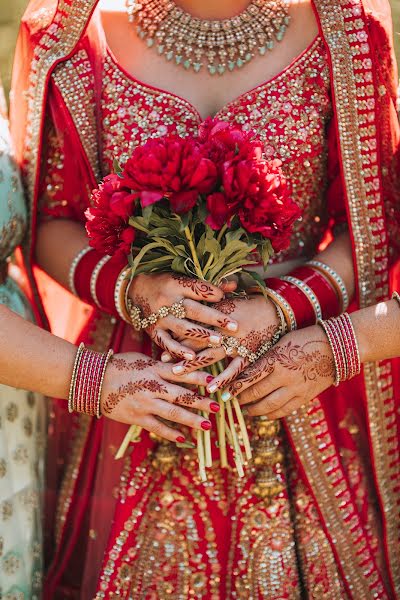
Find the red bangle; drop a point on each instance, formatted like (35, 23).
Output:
(83, 273)
(299, 302)
(106, 281)
(326, 294)
(87, 381)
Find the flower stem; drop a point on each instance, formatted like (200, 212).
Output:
(200, 454)
(221, 233)
(238, 453)
(192, 247)
(132, 435)
(221, 424)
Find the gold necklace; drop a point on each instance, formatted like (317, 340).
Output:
(220, 45)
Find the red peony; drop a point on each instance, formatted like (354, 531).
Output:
(108, 219)
(220, 212)
(270, 211)
(170, 167)
(224, 141)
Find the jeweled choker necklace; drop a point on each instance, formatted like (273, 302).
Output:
(219, 46)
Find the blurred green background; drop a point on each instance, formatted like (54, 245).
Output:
(11, 10)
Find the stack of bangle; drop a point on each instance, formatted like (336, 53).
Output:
(87, 381)
(308, 294)
(343, 342)
(101, 281)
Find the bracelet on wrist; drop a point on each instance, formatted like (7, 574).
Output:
(335, 279)
(87, 381)
(121, 299)
(74, 265)
(343, 342)
(327, 296)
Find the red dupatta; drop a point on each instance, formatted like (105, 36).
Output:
(363, 76)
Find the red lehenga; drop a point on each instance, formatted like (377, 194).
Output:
(145, 528)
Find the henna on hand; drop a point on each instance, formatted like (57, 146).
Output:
(138, 365)
(201, 288)
(312, 364)
(133, 387)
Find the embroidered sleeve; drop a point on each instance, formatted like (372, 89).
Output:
(62, 191)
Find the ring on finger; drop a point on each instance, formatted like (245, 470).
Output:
(177, 309)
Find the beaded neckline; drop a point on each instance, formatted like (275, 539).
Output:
(311, 48)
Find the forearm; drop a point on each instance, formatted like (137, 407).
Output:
(377, 330)
(33, 359)
(58, 243)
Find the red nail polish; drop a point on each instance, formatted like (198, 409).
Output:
(206, 425)
(214, 407)
(209, 378)
(180, 439)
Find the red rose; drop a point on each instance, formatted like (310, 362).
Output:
(170, 167)
(219, 210)
(108, 218)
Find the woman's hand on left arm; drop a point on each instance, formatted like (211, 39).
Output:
(298, 368)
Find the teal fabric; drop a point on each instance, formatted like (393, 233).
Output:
(22, 418)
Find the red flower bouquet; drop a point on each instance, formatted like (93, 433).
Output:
(207, 206)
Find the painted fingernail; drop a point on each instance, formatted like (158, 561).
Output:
(166, 357)
(215, 339)
(214, 407)
(189, 356)
(232, 326)
(209, 378)
(178, 370)
(212, 388)
(225, 396)
(180, 439)
(206, 425)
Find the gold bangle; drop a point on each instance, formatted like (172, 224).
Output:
(73, 377)
(120, 295)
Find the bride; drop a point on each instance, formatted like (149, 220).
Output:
(317, 515)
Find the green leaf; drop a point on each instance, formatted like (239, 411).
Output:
(184, 221)
(141, 255)
(147, 212)
(266, 252)
(179, 264)
(139, 224)
(117, 167)
(234, 235)
(257, 278)
(213, 247)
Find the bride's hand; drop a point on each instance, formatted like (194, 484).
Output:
(258, 322)
(137, 390)
(151, 292)
(298, 368)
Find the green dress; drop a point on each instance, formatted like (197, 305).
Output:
(22, 419)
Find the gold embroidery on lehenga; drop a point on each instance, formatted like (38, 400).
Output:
(74, 79)
(347, 37)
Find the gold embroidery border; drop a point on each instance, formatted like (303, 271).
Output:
(80, 101)
(346, 32)
(56, 43)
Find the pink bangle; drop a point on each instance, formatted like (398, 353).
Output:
(87, 381)
(343, 342)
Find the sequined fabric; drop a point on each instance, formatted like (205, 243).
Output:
(173, 536)
(289, 114)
